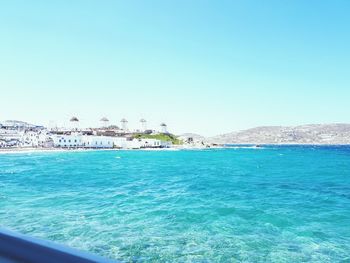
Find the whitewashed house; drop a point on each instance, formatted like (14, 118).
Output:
(120, 142)
(150, 143)
(10, 137)
(97, 141)
(132, 144)
(93, 141)
(36, 139)
(145, 143)
(82, 141)
(30, 139)
(11, 134)
(67, 141)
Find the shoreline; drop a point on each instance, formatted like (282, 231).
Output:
(30, 150)
(53, 150)
(174, 148)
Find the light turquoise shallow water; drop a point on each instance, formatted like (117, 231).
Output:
(289, 204)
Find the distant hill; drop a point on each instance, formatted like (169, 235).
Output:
(303, 134)
(18, 124)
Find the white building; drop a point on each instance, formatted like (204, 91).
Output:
(93, 141)
(30, 139)
(10, 138)
(97, 141)
(120, 142)
(165, 144)
(11, 134)
(67, 141)
(146, 143)
(150, 143)
(82, 141)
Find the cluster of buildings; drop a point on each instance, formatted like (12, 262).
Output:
(22, 134)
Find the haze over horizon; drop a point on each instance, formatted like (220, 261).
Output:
(208, 67)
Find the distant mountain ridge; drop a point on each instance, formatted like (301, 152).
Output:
(302, 134)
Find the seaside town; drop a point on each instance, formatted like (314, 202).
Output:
(19, 135)
(22, 135)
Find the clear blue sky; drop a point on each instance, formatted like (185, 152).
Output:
(200, 66)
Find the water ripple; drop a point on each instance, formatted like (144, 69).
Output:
(284, 204)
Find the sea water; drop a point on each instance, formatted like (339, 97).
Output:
(269, 204)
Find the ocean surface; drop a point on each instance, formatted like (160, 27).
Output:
(269, 204)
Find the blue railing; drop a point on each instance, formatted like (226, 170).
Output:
(15, 247)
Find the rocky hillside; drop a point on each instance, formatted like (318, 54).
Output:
(304, 134)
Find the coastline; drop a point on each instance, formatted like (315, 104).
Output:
(174, 148)
(32, 150)
(41, 150)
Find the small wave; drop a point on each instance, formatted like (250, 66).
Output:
(246, 147)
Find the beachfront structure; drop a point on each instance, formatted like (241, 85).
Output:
(142, 143)
(67, 141)
(163, 128)
(86, 141)
(150, 143)
(82, 141)
(146, 143)
(97, 142)
(36, 139)
(124, 123)
(120, 142)
(143, 125)
(104, 122)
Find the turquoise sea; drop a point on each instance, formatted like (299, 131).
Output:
(269, 204)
